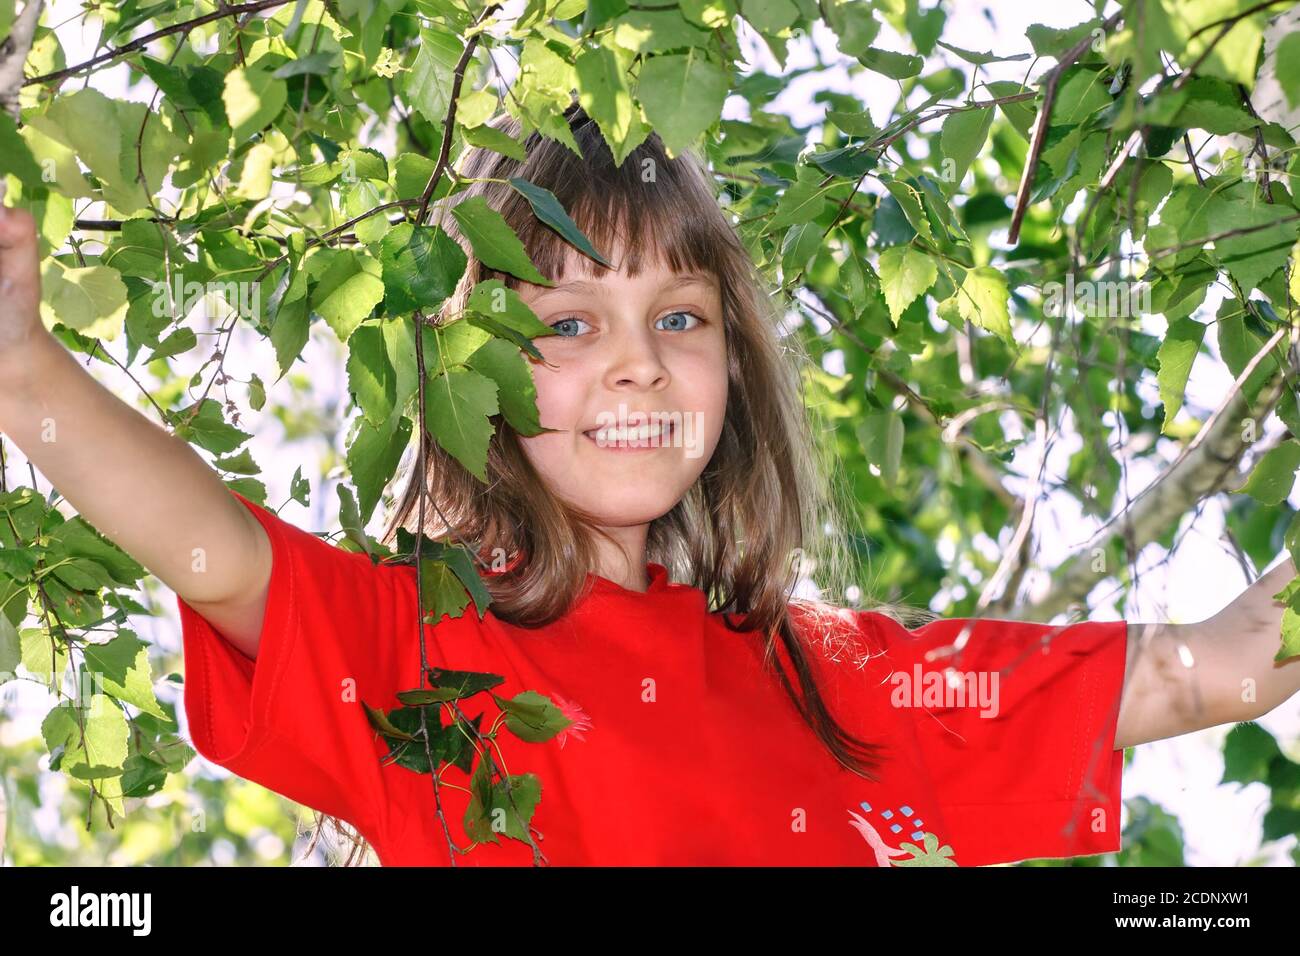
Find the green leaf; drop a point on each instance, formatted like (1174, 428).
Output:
(1254, 256)
(494, 242)
(847, 162)
(682, 95)
(1247, 753)
(241, 464)
(459, 405)
(548, 209)
(981, 59)
(1053, 41)
(350, 520)
(908, 198)
(453, 343)
(490, 325)
(803, 201)
(348, 287)
(960, 141)
(982, 300)
(90, 744)
(656, 31)
(1231, 56)
(411, 175)
(463, 683)
(604, 95)
(360, 199)
(102, 133)
(905, 273)
(516, 391)
(1177, 352)
(1273, 477)
(299, 488)
(75, 538)
(371, 379)
(1204, 103)
(881, 435)
(123, 664)
(250, 488)
(42, 656)
(532, 716)
(854, 24)
(372, 461)
(502, 810)
(489, 137)
(421, 266)
(90, 300)
(1287, 68)
(896, 66)
(381, 722)
(256, 393)
(253, 98)
(494, 298)
(1290, 635)
(11, 652)
(16, 157)
(290, 323)
(428, 85)
(203, 424)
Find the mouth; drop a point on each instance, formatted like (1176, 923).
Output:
(632, 437)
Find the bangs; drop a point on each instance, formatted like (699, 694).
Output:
(660, 210)
(650, 231)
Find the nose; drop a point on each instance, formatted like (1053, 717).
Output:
(635, 360)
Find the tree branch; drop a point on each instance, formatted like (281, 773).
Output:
(13, 54)
(141, 42)
(1208, 465)
(1039, 138)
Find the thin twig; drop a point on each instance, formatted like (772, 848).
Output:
(141, 42)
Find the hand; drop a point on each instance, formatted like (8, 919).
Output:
(20, 284)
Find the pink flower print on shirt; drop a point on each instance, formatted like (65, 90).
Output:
(882, 850)
(580, 721)
(930, 853)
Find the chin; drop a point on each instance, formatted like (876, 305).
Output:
(629, 513)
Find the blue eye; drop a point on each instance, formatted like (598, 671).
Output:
(563, 326)
(680, 326)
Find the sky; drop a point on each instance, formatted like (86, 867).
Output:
(1221, 823)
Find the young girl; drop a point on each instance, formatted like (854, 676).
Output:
(647, 588)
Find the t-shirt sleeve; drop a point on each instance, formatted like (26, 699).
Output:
(1020, 746)
(292, 720)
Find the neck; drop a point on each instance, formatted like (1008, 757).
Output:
(623, 560)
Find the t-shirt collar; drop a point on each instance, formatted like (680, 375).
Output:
(656, 573)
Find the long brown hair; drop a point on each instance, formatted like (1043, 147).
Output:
(766, 509)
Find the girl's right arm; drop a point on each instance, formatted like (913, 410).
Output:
(144, 488)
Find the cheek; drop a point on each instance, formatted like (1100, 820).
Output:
(558, 406)
(558, 395)
(706, 376)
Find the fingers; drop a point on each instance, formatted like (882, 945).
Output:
(19, 259)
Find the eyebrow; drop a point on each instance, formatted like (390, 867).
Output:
(580, 285)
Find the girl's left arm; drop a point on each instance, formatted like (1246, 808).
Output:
(1185, 677)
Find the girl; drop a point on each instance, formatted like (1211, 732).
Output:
(648, 538)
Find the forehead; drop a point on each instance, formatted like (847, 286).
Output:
(656, 280)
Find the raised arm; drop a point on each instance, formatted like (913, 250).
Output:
(144, 488)
(1182, 678)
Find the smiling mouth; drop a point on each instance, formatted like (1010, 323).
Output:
(633, 438)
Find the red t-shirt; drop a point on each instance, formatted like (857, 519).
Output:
(692, 753)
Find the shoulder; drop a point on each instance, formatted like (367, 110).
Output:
(841, 634)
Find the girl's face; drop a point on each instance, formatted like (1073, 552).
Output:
(638, 390)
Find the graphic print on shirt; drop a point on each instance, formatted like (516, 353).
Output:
(930, 853)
